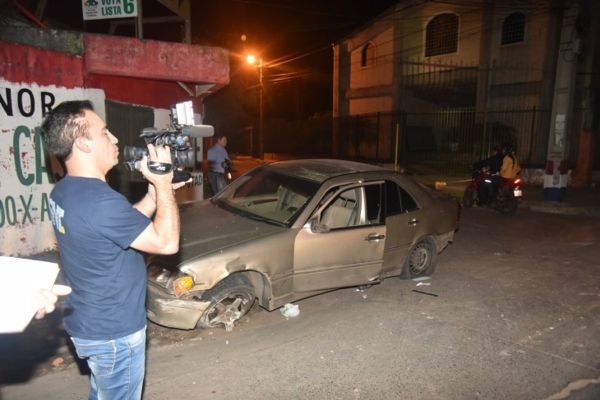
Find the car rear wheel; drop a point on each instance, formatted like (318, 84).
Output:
(421, 260)
(469, 197)
(229, 300)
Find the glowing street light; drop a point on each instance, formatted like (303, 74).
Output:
(252, 60)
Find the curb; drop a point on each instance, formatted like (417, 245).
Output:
(542, 206)
(564, 209)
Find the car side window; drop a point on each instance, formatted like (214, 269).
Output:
(398, 200)
(373, 196)
(343, 210)
(392, 199)
(407, 201)
(356, 206)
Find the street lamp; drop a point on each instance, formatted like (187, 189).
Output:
(252, 60)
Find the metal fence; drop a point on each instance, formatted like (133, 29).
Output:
(451, 134)
(447, 141)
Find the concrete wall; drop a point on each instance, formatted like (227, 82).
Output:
(401, 33)
(380, 74)
(413, 27)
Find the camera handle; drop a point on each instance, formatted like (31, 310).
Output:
(159, 168)
(162, 168)
(181, 176)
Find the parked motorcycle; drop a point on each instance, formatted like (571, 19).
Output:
(507, 194)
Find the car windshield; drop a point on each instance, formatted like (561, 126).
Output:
(266, 195)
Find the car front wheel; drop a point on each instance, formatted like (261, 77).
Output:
(421, 260)
(229, 300)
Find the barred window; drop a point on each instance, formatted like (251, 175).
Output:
(513, 28)
(368, 55)
(441, 35)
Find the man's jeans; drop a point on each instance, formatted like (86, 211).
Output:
(217, 181)
(117, 366)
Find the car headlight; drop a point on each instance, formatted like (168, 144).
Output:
(168, 278)
(161, 275)
(182, 285)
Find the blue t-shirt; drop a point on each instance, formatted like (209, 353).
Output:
(94, 227)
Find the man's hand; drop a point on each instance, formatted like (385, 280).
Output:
(181, 184)
(152, 189)
(160, 154)
(48, 298)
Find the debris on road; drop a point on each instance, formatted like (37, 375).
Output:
(290, 310)
(429, 294)
(421, 278)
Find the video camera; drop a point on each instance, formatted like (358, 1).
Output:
(176, 137)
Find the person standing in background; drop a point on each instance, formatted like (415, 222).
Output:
(217, 159)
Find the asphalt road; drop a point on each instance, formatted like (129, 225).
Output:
(513, 312)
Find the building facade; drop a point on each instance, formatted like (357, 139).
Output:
(497, 70)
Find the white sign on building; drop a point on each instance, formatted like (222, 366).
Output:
(27, 174)
(108, 9)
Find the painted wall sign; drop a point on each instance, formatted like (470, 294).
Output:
(27, 172)
(108, 9)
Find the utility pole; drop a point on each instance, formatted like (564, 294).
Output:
(556, 176)
(260, 106)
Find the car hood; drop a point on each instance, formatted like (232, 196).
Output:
(206, 228)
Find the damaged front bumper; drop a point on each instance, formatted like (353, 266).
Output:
(164, 309)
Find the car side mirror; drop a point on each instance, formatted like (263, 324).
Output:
(318, 227)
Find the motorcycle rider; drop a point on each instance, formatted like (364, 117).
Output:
(494, 164)
(509, 169)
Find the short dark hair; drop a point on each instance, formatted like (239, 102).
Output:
(219, 136)
(64, 124)
(507, 147)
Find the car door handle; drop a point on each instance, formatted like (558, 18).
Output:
(413, 222)
(373, 237)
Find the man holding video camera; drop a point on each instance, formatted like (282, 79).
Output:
(101, 238)
(218, 163)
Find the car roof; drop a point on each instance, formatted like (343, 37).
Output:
(320, 170)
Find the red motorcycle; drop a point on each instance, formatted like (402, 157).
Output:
(507, 194)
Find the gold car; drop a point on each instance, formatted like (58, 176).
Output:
(292, 229)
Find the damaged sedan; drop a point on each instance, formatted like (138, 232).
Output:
(293, 229)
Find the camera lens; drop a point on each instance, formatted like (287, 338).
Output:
(131, 153)
(185, 158)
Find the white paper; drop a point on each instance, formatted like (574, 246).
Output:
(20, 279)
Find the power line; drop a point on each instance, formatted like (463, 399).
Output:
(533, 8)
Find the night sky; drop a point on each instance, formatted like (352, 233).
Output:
(294, 37)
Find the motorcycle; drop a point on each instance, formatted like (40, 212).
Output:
(507, 194)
